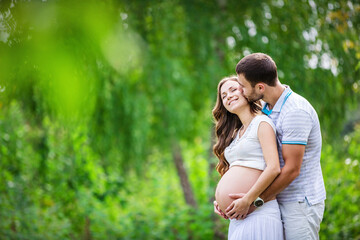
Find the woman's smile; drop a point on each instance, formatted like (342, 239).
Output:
(233, 100)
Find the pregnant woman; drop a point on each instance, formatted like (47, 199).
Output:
(248, 163)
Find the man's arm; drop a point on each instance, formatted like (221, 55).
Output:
(293, 156)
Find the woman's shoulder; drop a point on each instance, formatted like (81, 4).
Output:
(264, 118)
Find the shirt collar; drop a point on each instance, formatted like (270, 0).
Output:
(279, 103)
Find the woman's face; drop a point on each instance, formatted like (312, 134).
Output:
(232, 97)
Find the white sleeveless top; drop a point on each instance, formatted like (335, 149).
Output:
(246, 151)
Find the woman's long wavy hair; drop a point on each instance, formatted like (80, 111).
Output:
(227, 125)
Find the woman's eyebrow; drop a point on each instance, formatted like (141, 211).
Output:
(231, 87)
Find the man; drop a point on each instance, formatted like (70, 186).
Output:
(300, 186)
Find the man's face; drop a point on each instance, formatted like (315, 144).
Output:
(249, 92)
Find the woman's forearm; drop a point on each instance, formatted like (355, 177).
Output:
(263, 182)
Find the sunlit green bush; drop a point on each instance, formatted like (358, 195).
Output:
(341, 168)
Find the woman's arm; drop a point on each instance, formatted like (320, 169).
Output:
(293, 157)
(238, 208)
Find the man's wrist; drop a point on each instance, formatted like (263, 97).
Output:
(264, 198)
(258, 202)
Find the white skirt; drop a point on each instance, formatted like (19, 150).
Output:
(263, 223)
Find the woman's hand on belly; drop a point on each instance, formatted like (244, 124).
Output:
(238, 208)
(236, 180)
(218, 211)
(240, 195)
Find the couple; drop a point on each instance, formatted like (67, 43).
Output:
(271, 184)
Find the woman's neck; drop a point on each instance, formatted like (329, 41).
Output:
(246, 117)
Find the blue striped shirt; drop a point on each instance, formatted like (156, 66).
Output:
(297, 122)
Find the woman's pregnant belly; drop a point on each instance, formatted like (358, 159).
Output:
(236, 180)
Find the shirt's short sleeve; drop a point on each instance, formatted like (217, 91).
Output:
(296, 127)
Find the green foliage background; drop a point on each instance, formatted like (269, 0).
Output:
(96, 95)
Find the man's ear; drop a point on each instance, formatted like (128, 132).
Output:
(260, 87)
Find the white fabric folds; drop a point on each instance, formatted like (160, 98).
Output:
(263, 223)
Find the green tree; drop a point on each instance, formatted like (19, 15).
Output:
(105, 109)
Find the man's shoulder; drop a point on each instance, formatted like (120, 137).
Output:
(297, 98)
(296, 102)
(297, 111)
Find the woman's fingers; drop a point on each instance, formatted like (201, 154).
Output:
(230, 207)
(218, 211)
(236, 214)
(224, 216)
(229, 214)
(233, 213)
(236, 195)
(216, 208)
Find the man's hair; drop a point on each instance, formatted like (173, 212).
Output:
(258, 67)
